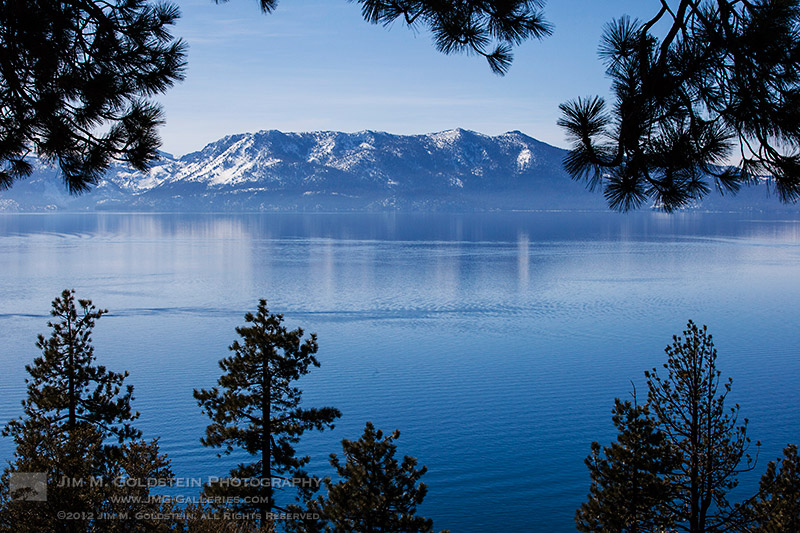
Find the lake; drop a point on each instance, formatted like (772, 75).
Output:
(495, 342)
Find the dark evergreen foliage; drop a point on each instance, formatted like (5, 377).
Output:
(127, 500)
(103, 493)
(631, 488)
(676, 458)
(488, 28)
(256, 408)
(777, 507)
(376, 494)
(688, 403)
(76, 78)
(40, 447)
(66, 389)
(722, 84)
(77, 426)
(198, 519)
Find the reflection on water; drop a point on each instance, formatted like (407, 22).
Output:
(495, 342)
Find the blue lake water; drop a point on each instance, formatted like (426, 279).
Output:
(496, 343)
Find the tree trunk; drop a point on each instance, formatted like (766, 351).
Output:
(72, 418)
(71, 421)
(265, 494)
(694, 485)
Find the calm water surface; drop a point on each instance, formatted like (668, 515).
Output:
(496, 343)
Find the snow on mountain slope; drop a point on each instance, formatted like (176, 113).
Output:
(327, 170)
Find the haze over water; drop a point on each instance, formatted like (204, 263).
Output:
(496, 343)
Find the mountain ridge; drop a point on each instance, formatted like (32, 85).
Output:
(270, 170)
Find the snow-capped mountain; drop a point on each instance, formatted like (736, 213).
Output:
(271, 170)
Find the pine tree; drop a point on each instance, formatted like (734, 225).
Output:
(76, 428)
(199, 518)
(777, 507)
(376, 494)
(70, 461)
(722, 84)
(76, 77)
(127, 501)
(688, 403)
(112, 495)
(66, 388)
(256, 408)
(631, 489)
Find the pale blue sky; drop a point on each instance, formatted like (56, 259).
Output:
(316, 65)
